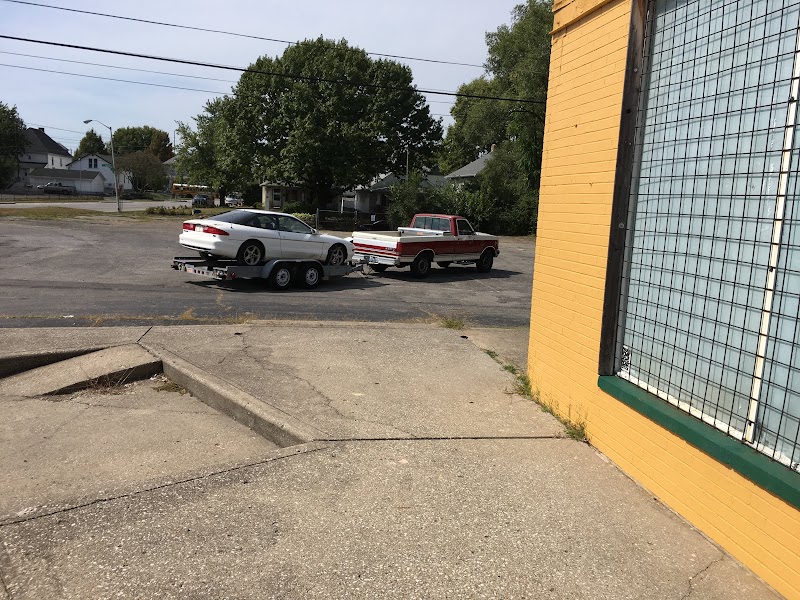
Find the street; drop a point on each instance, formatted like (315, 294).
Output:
(105, 271)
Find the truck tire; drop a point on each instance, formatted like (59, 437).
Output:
(250, 254)
(281, 277)
(311, 276)
(485, 262)
(421, 267)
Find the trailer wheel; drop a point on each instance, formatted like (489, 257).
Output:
(250, 254)
(421, 266)
(281, 277)
(485, 262)
(312, 275)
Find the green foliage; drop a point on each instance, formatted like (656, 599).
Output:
(144, 170)
(128, 140)
(306, 218)
(12, 143)
(168, 211)
(517, 67)
(91, 143)
(313, 131)
(408, 198)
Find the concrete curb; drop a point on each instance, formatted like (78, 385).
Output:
(267, 421)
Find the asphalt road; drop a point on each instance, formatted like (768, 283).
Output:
(105, 272)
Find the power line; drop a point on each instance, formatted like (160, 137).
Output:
(162, 85)
(91, 64)
(270, 73)
(231, 33)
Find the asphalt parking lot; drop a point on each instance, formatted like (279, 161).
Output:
(113, 271)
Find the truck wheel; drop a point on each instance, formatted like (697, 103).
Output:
(281, 277)
(250, 254)
(421, 266)
(312, 275)
(336, 255)
(485, 262)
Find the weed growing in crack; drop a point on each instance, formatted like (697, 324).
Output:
(575, 428)
(456, 323)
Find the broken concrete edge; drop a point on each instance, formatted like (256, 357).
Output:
(266, 420)
(11, 365)
(113, 378)
(155, 484)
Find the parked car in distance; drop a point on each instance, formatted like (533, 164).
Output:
(254, 236)
(201, 200)
(377, 226)
(56, 187)
(234, 199)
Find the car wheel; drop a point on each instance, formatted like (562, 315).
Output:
(485, 262)
(281, 277)
(337, 255)
(379, 268)
(421, 266)
(312, 275)
(444, 264)
(250, 254)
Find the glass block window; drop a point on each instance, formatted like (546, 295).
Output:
(711, 292)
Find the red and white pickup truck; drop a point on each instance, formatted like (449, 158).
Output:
(443, 239)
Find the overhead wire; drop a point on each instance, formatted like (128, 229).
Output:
(291, 76)
(230, 33)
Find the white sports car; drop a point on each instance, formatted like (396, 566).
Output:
(254, 236)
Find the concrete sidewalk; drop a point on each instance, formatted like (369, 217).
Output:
(408, 468)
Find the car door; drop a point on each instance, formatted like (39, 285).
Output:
(298, 240)
(468, 243)
(264, 228)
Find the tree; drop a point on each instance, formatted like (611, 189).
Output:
(328, 128)
(128, 140)
(517, 67)
(12, 143)
(91, 143)
(144, 170)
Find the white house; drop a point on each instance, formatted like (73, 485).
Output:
(99, 163)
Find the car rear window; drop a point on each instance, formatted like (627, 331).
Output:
(240, 217)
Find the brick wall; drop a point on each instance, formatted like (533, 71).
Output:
(579, 161)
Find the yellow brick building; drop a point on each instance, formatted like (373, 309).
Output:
(643, 326)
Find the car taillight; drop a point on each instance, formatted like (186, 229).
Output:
(399, 248)
(188, 227)
(213, 230)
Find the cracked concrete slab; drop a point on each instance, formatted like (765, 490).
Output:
(95, 441)
(107, 366)
(420, 519)
(364, 381)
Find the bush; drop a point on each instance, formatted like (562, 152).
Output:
(172, 212)
(307, 218)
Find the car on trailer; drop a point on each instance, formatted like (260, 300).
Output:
(252, 237)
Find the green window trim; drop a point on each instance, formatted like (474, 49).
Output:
(754, 466)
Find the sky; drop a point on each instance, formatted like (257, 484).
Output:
(444, 30)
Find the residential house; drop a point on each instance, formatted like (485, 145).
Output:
(85, 182)
(99, 163)
(469, 171)
(41, 152)
(374, 199)
(665, 297)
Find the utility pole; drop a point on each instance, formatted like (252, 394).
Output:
(113, 162)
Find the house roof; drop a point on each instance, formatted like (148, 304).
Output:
(169, 161)
(105, 157)
(65, 174)
(429, 181)
(37, 141)
(471, 169)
